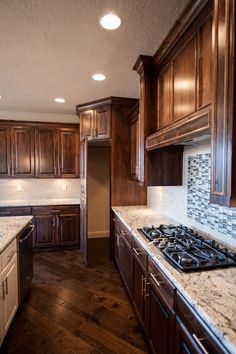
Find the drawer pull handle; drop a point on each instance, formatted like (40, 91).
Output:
(199, 342)
(123, 233)
(137, 251)
(28, 235)
(158, 282)
(3, 291)
(5, 212)
(6, 282)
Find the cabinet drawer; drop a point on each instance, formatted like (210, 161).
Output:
(121, 229)
(8, 254)
(139, 253)
(197, 328)
(161, 283)
(15, 211)
(56, 209)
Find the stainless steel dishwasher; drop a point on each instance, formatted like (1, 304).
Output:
(25, 260)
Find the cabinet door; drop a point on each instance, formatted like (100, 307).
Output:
(102, 123)
(22, 151)
(10, 303)
(68, 230)
(184, 80)
(68, 153)
(159, 323)
(135, 148)
(138, 291)
(5, 162)
(125, 262)
(165, 98)
(87, 124)
(46, 152)
(45, 231)
(185, 343)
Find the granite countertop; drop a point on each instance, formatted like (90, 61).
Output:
(37, 202)
(211, 293)
(10, 227)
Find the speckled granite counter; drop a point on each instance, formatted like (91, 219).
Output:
(37, 202)
(10, 227)
(211, 293)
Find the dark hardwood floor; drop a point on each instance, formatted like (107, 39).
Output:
(73, 309)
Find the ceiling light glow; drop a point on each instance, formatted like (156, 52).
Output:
(98, 77)
(110, 21)
(59, 100)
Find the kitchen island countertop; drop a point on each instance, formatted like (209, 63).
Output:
(211, 293)
(10, 227)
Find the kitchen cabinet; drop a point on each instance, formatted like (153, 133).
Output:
(95, 123)
(56, 226)
(223, 181)
(5, 154)
(184, 80)
(160, 316)
(135, 144)
(68, 152)
(46, 152)
(22, 148)
(40, 150)
(15, 211)
(8, 288)
(57, 152)
(192, 335)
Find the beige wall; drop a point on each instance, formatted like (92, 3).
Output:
(98, 192)
(33, 188)
(40, 117)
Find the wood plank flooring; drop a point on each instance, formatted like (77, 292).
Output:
(72, 309)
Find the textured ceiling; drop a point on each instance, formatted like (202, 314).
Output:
(50, 48)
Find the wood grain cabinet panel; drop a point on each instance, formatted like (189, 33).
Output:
(46, 152)
(68, 229)
(68, 153)
(135, 148)
(45, 231)
(5, 158)
(223, 182)
(86, 124)
(22, 142)
(165, 97)
(102, 122)
(205, 63)
(184, 81)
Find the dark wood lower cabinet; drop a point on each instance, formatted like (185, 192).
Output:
(45, 231)
(169, 323)
(68, 229)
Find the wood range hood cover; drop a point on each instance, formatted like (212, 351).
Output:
(181, 69)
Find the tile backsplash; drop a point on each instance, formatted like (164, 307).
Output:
(199, 208)
(189, 204)
(32, 188)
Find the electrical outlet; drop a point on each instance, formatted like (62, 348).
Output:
(18, 187)
(64, 187)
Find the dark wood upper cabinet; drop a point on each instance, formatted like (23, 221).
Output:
(135, 144)
(46, 152)
(86, 124)
(5, 148)
(42, 150)
(102, 122)
(223, 188)
(184, 80)
(95, 123)
(22, 142)
(68, 153)
(165, 93)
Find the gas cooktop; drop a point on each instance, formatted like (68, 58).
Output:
(188, 250)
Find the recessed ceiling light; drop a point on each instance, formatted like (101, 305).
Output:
(0, 97)
(110, 21)
(99, 77)
(59, 100)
